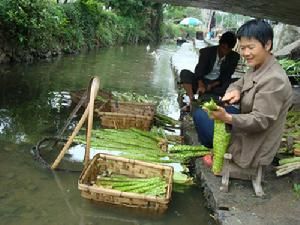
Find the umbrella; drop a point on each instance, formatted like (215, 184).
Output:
(190, 21)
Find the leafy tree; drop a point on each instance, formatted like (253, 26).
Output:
(32, 21)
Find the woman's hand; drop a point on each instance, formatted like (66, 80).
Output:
(232, 97)
(221, 114)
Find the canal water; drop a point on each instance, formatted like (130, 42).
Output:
(35, 103)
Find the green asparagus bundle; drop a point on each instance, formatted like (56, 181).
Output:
(185, 157)
(164, 120)
(184, 153)
(141, 145)
(221, 139)
(210, 106)
(220, 144)
(186, 148)
(287, 165)
(154, 186)
(134, 97)
(289, 160)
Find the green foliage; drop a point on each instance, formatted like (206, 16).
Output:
(130, 8)
(174, 12)
(130, 21)
(177, 13)
(31, 22)
(72, 36)
(172, 17)
(105, 33)
(172, 30)
(43, 26)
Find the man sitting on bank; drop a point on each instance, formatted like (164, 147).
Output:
(214, 69)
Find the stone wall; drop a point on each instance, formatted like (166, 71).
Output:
(284, 35)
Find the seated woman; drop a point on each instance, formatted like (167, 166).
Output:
(264, 95)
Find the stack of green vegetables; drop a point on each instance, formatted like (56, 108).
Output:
(147, 146)
(165, 121)
(186, 152)
(221, 139)
(154, 186)
(288, 165)
(291, 67)
(132, 143)
(134, 97)
(128, 97)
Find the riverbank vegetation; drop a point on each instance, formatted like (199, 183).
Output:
(43, 28)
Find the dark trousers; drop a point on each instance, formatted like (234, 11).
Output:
(188, 77)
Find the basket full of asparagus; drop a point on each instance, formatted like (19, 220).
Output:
(127, 182)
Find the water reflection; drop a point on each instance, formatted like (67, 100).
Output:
(58, 100)
(5, 120)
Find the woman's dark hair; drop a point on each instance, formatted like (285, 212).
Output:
(257, 29)
(228, 38)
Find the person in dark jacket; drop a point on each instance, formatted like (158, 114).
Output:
(214, 69)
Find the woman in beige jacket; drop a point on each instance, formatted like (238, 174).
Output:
(264, 95)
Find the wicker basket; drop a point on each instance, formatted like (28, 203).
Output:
(123, 115)
(133, 168)
(104, 103)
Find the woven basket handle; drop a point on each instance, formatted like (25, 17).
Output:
(93, 90)
(93, 93)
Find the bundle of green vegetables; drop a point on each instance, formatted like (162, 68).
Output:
(291, 67)
(165, 121)
(287, 165)
(181, 182)
(186, 152)
(134, 97)
(137, 144)
(221, 138)
(132, 143)
(154, 186)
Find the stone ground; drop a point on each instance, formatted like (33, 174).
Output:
(240, 206)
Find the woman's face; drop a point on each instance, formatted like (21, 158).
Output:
(254, 52)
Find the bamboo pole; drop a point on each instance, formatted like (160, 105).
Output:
(94, 89)
(70, 140)
(93, 94)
